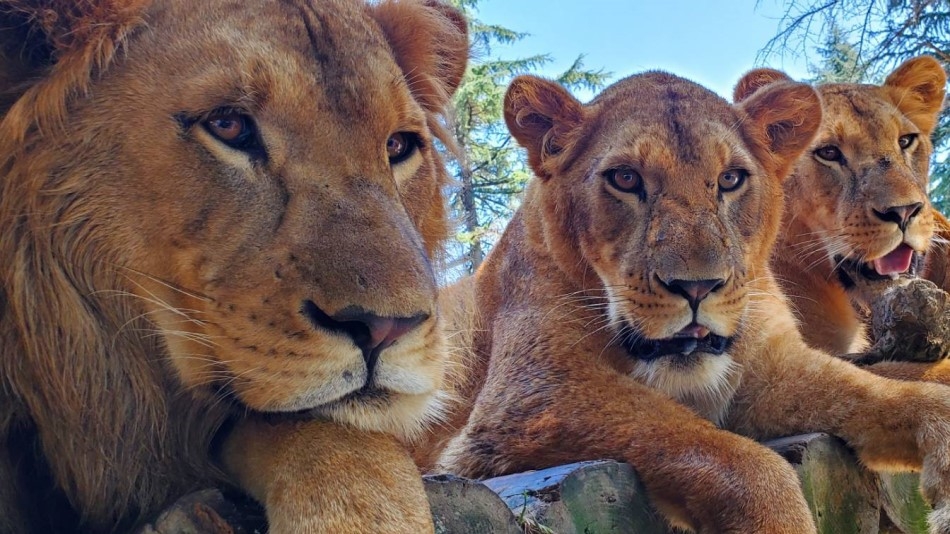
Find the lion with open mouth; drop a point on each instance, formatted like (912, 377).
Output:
(858, 219)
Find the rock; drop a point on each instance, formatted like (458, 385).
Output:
(843, 496)
(585, 497)
(909, 322)
(463, 506)
(209, 512)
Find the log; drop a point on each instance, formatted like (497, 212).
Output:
(843, 496)
(463, 506)
(600, 496)
(209, 512)
(910, 321)
(904, 505)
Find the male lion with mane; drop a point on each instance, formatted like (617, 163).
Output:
(858, 216)
(629, 312)
(216, 220)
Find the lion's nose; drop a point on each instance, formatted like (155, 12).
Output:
(694, 291)
(370, 332)
(900, 215)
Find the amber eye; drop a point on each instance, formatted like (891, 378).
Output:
(400, 146)
(234, 129)
(905, 141)
(624, 179)
(829, 153)
(732, 179)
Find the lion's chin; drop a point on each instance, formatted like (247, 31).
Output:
(402, 415)
(702, 381)
(865, 281)
(370, 409)
(401, 404)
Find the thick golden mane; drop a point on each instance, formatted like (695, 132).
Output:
(65, 348)
(80, 37)
(155, 285)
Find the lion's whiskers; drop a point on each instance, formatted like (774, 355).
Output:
(168, 284)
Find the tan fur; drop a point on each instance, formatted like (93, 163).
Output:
(575, 280)
(154, 281)
(384, 499)
(830, 205)
(937, 267)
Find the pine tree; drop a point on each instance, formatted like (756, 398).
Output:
(493, 172)
(839, 60)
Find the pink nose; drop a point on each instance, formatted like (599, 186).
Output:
(694, 291)
(900, 215)
(384, 331)
(370, 332)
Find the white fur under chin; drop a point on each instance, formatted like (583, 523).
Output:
(706, 386)
(405, 416)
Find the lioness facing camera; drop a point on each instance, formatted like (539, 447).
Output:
(215, 223)
(857, 214)
(858, 221)
(629, 312)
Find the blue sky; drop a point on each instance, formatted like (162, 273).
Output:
(711, 42)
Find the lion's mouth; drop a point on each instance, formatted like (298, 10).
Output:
(903, 261)
(691, 340)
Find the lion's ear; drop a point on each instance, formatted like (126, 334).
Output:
(781, 121)
(917, 88)
(540, 114)
(430, 42)
(51, 49)
(756, 79)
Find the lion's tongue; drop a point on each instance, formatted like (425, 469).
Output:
(896, 262)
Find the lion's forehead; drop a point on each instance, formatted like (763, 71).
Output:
(658, 119)
(859, 114)
(675, 148)
(666, 98)
(328, 53)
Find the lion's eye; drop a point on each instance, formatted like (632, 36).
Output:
(400, 146)
(829, 153)
(732, 179)
(905, 141)
(234, 129)
(624, 179)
